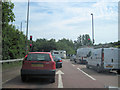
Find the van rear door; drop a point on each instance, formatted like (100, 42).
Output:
(111, 58)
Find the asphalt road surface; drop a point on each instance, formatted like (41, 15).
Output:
(71, 75)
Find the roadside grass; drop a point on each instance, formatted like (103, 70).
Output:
(11, 65)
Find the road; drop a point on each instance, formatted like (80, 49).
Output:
(75, 76)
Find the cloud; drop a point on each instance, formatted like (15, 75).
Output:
(69, 20)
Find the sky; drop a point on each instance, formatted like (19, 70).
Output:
(68, 19)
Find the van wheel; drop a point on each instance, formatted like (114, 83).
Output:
(87, 66)
(52, 80)
(99, 69)
(75, 61)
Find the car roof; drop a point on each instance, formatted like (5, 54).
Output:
(40, 52)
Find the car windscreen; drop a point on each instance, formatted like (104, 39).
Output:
(38, 57)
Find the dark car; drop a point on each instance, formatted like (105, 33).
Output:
(58, 61)
(38, 64)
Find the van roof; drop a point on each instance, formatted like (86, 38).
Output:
(40, 52)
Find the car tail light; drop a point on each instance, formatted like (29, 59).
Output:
(26, 56)
(53, 65)
(60, 61)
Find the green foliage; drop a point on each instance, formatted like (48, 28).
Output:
(67, 45)
(7, 13)
(48, 45)
(83, 40)
(13, 43)
(116, 44)
(11, 65)
(44, 45)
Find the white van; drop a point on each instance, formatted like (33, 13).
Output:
(82, 55)
(60, 53)
(104, 59)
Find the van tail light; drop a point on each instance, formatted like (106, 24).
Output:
(102, 56)
(53, 65)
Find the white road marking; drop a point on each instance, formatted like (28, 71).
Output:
(73, 65)
(60, 83)
(86, 74)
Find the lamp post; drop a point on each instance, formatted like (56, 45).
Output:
(27, 26)
(92, 29)
(21, 26)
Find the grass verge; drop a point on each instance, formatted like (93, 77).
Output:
(11, 65)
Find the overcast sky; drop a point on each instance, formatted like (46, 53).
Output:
(69, 19)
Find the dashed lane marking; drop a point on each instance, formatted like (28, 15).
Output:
(86, 74)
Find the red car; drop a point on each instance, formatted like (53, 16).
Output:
(38, 64)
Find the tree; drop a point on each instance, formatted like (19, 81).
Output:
(13, 41)
(7, 13)
(83, 40)
(67, 45)
(48, 45)
(44, 45)
(87, 40)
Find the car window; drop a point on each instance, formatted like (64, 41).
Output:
(38, 57)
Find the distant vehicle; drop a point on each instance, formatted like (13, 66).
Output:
(40, 64)
(60, 53)
(104, 59)
(73, 57)
(58, 61)
(82, 55)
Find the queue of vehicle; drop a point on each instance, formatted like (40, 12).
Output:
(100, 59)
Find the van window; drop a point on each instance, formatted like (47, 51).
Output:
(38, 57)
(89, 54)
(56, 53)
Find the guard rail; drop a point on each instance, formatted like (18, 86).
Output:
(12, 60)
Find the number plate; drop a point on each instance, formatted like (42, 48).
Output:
(37, 65)
(109, 66)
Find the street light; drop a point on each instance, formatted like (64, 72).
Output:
(21, 24)
(92, 29)
(27, 26)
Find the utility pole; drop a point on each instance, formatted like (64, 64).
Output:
(21, 26)
(27, 27)
(92, 29)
